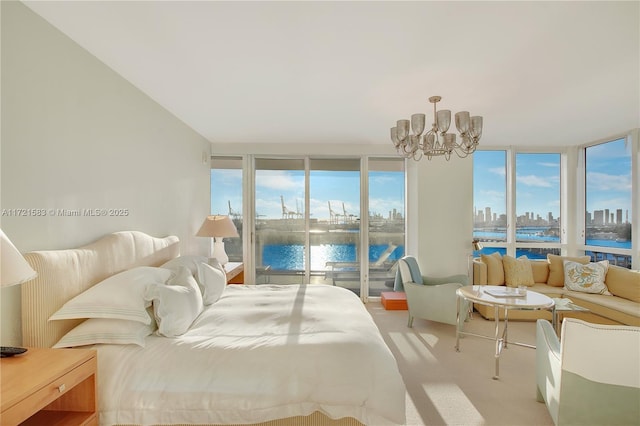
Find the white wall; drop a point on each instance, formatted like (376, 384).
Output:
(75, 135)
(445, 209)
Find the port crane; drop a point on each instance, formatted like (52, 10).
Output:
(286, 213)
(333, 216)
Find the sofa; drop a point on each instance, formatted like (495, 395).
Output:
(617, 302)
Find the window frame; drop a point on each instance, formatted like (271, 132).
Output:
(510, 245)
(633, 139)
(248, 207)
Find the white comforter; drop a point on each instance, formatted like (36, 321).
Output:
(257, 354)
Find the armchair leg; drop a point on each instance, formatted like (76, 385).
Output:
(410, 324)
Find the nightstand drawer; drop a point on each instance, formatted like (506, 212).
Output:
(70, 395)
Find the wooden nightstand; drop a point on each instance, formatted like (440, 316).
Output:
(235, 272)
(49, 386)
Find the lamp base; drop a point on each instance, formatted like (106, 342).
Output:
(7, 351)
(218, 251)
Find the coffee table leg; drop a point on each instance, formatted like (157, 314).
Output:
(498, 342)
(506, 327)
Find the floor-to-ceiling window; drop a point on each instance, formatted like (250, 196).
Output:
(334, 231)
(608, 202)
(307, 218)
(279, 249)
(386, 202)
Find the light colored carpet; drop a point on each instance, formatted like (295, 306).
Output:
(445, 387)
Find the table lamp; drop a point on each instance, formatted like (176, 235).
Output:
(218, 227)
(14, 270)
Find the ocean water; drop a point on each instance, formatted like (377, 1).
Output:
(290, 257)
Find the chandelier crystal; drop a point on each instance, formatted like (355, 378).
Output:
(437, 142)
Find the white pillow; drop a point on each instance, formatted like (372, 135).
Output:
(177, 304)
(212, 281)
(191, 262)
(120, 296)
(106, 330)
(587, 278)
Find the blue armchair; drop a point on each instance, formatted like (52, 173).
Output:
(430, 298)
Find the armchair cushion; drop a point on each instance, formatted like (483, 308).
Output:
(431, 298)
(582, 380)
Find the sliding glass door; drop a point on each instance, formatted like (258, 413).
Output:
(334, 231)
(280, 237)
(386, 206)
(332, 221)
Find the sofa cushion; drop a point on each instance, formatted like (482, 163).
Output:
(623, 283)
(518, 271)
(607, 306)
(587, 278)
(556, 268)
(495, 270)
(540, 269)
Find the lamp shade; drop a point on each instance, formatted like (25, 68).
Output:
(14, 269)
(217, 226)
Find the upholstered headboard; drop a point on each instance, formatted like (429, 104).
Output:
(63, 274)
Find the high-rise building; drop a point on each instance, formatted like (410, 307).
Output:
(606, 216)
(619, 216)
(598, 217)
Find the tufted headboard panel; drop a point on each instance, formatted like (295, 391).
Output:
(63, 274)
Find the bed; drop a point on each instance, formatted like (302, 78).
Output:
(267, 354)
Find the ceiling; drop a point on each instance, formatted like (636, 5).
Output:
(540, 73)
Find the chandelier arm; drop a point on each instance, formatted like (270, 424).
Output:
(435, 143)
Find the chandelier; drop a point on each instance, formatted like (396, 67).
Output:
(437, 142)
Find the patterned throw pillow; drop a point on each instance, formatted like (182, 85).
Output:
(556, 268)
(587, 278)
(517, 271)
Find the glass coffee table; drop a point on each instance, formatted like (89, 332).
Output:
(500, 297)
(562, 306)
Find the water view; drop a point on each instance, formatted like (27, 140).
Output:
(290, 257)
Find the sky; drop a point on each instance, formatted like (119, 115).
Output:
(538, 180)
(537, 186)
(340, 189)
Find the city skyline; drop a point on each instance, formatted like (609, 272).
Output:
(597, 217)
(608, 181)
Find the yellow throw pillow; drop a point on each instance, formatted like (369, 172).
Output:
(587, 278)
(623, 282)
(495, 270)
(518, 271)
(556, 268)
